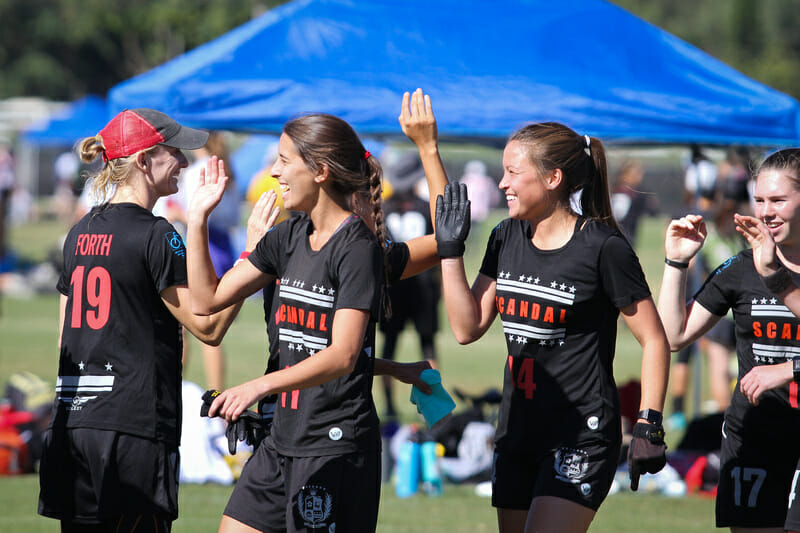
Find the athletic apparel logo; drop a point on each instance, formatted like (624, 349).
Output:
(315, 505)
(586, 489)
(593, 423)
(76, 403)
(335, 433)
(571, 464)
(176, 243)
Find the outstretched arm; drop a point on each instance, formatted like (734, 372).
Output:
(419, 124)
(682, 323)
(405, 372)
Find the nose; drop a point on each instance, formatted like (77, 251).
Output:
(183, 162)
(503, 185)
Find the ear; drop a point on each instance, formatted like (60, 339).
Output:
(553, 179)
(322, 174)
(141, 161)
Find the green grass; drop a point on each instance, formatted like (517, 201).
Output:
(28, 329)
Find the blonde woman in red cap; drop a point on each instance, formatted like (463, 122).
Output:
(110, 460)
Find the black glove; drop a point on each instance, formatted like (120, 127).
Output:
(647, 453)
(452, 220)
(248, 427)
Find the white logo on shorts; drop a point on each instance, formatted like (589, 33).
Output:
(571, 464)
(315, 505)
(335, 433)
(593, 423)
(586, 489)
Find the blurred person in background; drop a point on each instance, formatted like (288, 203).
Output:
(628, 202)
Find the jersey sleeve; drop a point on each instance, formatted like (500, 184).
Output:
(267, 254)
(166, 256)
(717, 294)
(398, 256)
(490, 258)
(621, 272)
(360, 275)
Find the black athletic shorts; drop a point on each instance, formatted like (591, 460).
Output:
(723, 332)
(293, 494)
(93, 476)
(582, 474)
(758, 481)
(414, 300)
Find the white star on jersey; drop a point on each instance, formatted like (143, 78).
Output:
(81, 365)
(108, 366)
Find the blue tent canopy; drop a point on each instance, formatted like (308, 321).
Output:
(79, 119)
(489, 67)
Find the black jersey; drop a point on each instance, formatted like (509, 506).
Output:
(559, 312)
(338, 416)
(120, 364)
(767, 333)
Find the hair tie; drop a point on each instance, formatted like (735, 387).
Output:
(366, 154)
(588, 148)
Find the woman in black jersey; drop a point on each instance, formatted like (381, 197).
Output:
(320, 466)
(110, 457)
(760, 457)
(558, 280)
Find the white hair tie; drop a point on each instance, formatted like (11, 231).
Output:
(588, 148)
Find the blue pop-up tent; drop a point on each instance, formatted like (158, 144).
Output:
(81, 118)
(489, 66)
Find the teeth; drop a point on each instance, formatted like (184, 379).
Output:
(284, 187)
(511, 197)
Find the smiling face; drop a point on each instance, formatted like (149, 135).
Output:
(777, 203)
(527, 192)
(164, 165)
(298, 182)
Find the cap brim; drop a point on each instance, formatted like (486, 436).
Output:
(187, 139)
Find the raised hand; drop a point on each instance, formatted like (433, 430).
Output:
(685, 237)
(760, 239)
(262, 218)
(209, 192)
(417, 120)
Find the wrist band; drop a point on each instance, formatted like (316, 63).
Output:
(242, 257)
(676, 264)
(779, 281)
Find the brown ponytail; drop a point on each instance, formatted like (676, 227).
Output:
(554, 146)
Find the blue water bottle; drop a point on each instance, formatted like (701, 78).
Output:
(408, 469)
(431, 477)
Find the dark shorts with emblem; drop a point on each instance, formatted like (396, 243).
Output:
(758, 484)
(327, 493)
(93, 476)
(581, 474)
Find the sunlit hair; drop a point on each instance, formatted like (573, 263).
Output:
(552, 146)
(786, 161)
(326, 140)
(114, 172)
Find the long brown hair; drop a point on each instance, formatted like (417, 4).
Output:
(554, 146)
(326, 140)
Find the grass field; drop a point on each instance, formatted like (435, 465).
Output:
(28, 338)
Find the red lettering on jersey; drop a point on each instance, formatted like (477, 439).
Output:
(548, 315)
(757, 329)
(535, 308)
(786, 332)
(793, 386)
(511, 309)
(500, 303)
(292, 315)
(92, 244)
(322, 319)
(280, 314)
(562, 318)
(310, 323)
(105, 249)
(88, 244)
(771, 330)
(302, 315)
(523, 309)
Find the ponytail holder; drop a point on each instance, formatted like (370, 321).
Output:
(588, 148)
(366, 154)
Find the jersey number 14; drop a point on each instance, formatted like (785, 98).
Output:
(523, 379)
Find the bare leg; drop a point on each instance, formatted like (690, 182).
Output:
(719, 378)
(757, 530)
(229, 525)
(511, 520)
(549, 514)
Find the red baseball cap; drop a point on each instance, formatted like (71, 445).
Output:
(137, 129)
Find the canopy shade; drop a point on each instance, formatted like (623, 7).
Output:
(81, 118)
(490, 67)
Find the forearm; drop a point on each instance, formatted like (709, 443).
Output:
(655, 373)
(463, 310)
(434, 172)
(672, 306)
(323, 366)
(199, 268)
